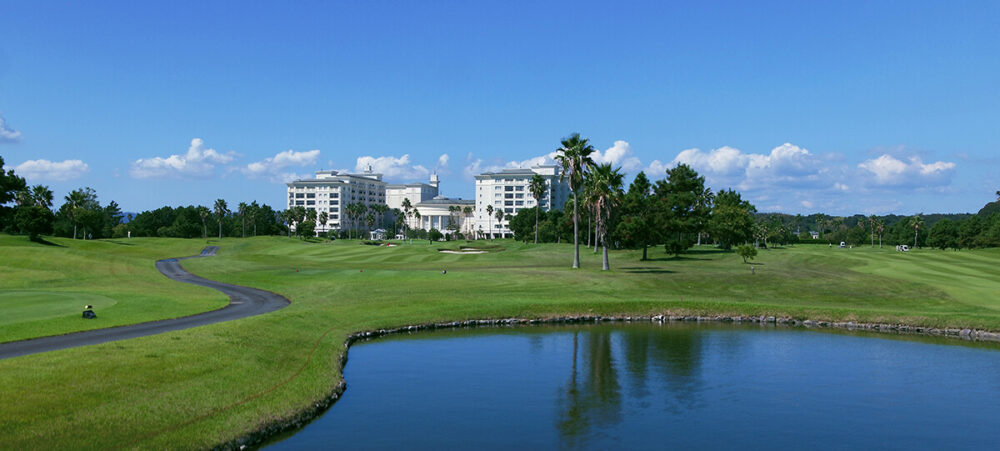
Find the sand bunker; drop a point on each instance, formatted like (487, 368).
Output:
(448, 251)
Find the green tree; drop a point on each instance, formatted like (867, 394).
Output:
(500, 216)
(489, 214)
(574, 157)
(221, 210)
(241, 210)
(607, 186)
(34, 220)
(747, 251)
(434, 235)
(203, 213)
(681, 206)
(916, 223)
(537, 188)
(637, 227)
(732, 219)
(324, 218)
(943, 234)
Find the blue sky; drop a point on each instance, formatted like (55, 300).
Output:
(867, 107)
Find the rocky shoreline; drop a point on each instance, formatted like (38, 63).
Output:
(315, 409)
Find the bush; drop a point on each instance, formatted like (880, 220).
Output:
(435, 235)
(748, 252)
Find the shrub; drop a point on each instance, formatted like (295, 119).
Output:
(748, 252)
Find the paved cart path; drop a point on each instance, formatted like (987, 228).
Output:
(243, 302)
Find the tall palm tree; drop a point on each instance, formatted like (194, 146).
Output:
(203, 212)
(75, 200)
(406, 212)
(873, 224)
(324, 217)
(242, 210)
(917, 222)
(489, 213)
(221, 210)
(574, 157)
(254, 209)
(500, 217)
(416, 217)
(607, 194)
(880, 229)
(537, 189)
(467, 212)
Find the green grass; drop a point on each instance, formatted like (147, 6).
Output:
(202, 386)
(44, 287)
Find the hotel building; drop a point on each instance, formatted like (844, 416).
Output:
(508, 190)
(330, 191)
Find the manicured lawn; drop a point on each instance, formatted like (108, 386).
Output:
(43, 288)
(199, 387)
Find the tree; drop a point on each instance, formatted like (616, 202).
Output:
(880, 229)
(637, 227)
(221, 210)
(489, 214)
(10, 185)
(746, 251)
(41, 196)
(681, 206)
(607, 193)
(324, 218)
(406, 211)
(500, 216)
(253, 212)
(434, 235)
(537, 189)
(34, 220)
(574, 157)
(917, 223)
(467, 212)
(203, 213)
(873, 224)
(732, 219)
(944, 234)
(242, 211)
(74, 202)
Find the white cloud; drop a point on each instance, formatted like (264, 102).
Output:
(443, 160)
(476, 166)
(887, 170)
(8, 135)
(393, 168)
(55, 171)
(197, 162)
(656, 169)
(786, 165)
(620, 154)
(807, 204)
(274, 168)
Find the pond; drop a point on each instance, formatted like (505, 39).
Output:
(651, 386)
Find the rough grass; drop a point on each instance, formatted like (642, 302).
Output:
(202, 386)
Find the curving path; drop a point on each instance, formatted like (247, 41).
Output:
(243, 302)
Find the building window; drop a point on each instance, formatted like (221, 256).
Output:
(508, 210)
(519, 196)
(509, 203)
(300, 202)
(508, 188)
(310, 202)
(310, 195)
(519, 203)
(299, 195)
(334, 195)
(509, 196)
(519, 188)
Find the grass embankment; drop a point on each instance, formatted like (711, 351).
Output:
(201, 386)
(43, 288)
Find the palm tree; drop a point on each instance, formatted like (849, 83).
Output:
(467, 212)
(406, 211)
(41, 196)
(880, 229)
(254, 209)
(489, 213)
(500, 216)
(324, 217)
(574, 157)
(873, 223)
(75, 200)
(607, 194)
(917, 222)
(221, 209)
(416, 216)
(242, 210)
(537, 189)
(203, 212)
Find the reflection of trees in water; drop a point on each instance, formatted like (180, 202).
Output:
(592, 395)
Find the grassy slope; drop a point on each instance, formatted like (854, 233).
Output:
(198, 387)
(44, 287)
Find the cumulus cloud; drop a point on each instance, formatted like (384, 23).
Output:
(620, 154)
(476, 166)
(401, 168)
(7, 134)
(887, 170)
(275, 168)
(45, 170)
(197, 162)
(787, 165)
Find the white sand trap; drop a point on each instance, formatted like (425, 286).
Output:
(461, 252)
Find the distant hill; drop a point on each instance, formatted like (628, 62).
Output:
(989, 209)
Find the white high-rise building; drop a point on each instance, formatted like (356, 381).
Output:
(330, 191)
(508, 190)
(416, 192)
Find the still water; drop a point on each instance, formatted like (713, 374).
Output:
(648, 386)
